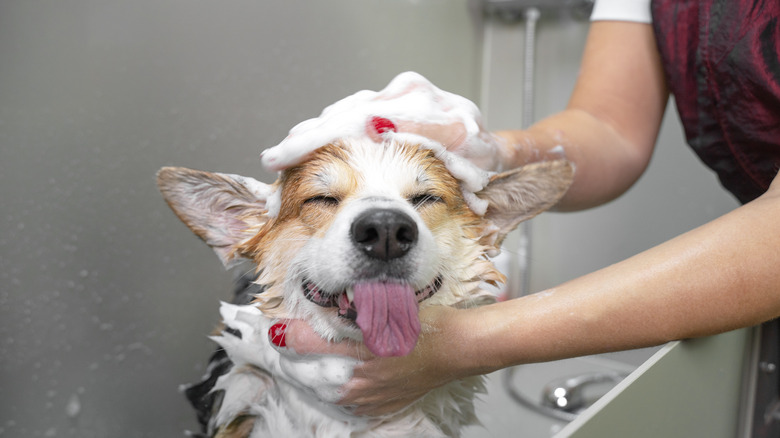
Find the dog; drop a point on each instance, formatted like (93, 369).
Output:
(362, 235)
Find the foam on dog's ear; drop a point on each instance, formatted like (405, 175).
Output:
(520, 194)
(222, 209)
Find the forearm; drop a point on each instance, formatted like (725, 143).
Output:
(718, 277)
(607, 164)
(611, 122)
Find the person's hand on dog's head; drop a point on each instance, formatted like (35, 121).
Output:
(411, 109)
(486, 150)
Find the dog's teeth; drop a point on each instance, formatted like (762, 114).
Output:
(351, 294)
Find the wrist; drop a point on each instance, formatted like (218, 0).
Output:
(511, 151)
(447, 343)
(473, 341)
(505, 334)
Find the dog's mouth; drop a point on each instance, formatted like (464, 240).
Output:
(385, 312)
(345, 300)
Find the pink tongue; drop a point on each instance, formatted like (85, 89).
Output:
(387, 316)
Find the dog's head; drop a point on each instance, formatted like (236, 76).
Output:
(364, 234)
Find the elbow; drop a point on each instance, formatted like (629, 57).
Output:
(607, 174)
(617, 156)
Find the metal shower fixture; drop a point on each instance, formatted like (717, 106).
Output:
(515, 9)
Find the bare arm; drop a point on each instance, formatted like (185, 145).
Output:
(718, 277)
(610, 125)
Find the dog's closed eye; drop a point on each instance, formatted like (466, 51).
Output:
(323, 201)
(424, 200)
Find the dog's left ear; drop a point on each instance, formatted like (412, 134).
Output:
(522, 193)
(222, 209)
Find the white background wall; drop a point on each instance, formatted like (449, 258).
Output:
(105, 298)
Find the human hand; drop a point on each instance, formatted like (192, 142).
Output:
(410, 108)
(383, 385)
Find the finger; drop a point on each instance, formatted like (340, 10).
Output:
(363, 392)
(381, 408)
(451, 136)
(376, 126)
(302, 339)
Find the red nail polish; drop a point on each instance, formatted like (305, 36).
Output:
(382, 125)
(276, 334)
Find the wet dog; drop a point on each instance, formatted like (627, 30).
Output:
(354, 240)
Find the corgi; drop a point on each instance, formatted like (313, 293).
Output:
(354, 241)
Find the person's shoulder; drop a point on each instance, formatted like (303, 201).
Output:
(622, 10)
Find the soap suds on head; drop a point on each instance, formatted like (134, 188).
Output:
(409, 98)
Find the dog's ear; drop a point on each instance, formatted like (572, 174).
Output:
(522, 193)
(222, 209)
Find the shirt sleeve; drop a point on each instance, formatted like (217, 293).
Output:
(622, 10)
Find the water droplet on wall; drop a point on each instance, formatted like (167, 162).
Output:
(73, 407)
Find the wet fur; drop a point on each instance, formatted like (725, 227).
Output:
(318, 200)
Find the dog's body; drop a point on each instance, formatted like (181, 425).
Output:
(364, 234)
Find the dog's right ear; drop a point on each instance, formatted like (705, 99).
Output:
(222, 209)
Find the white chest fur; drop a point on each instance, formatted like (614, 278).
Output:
(295, 395)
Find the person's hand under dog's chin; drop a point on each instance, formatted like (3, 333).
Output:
(384, 385)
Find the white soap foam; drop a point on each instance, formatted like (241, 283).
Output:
(409, 98)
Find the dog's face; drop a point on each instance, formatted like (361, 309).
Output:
(364, 235)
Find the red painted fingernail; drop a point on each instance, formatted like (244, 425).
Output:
(382, 125)
(276, 334)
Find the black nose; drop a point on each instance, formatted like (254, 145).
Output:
(384, 234)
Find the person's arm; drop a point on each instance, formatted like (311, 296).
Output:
(611, 123)
(718, 277)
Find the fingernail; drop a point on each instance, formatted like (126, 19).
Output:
(276, 334)
(382, 125)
